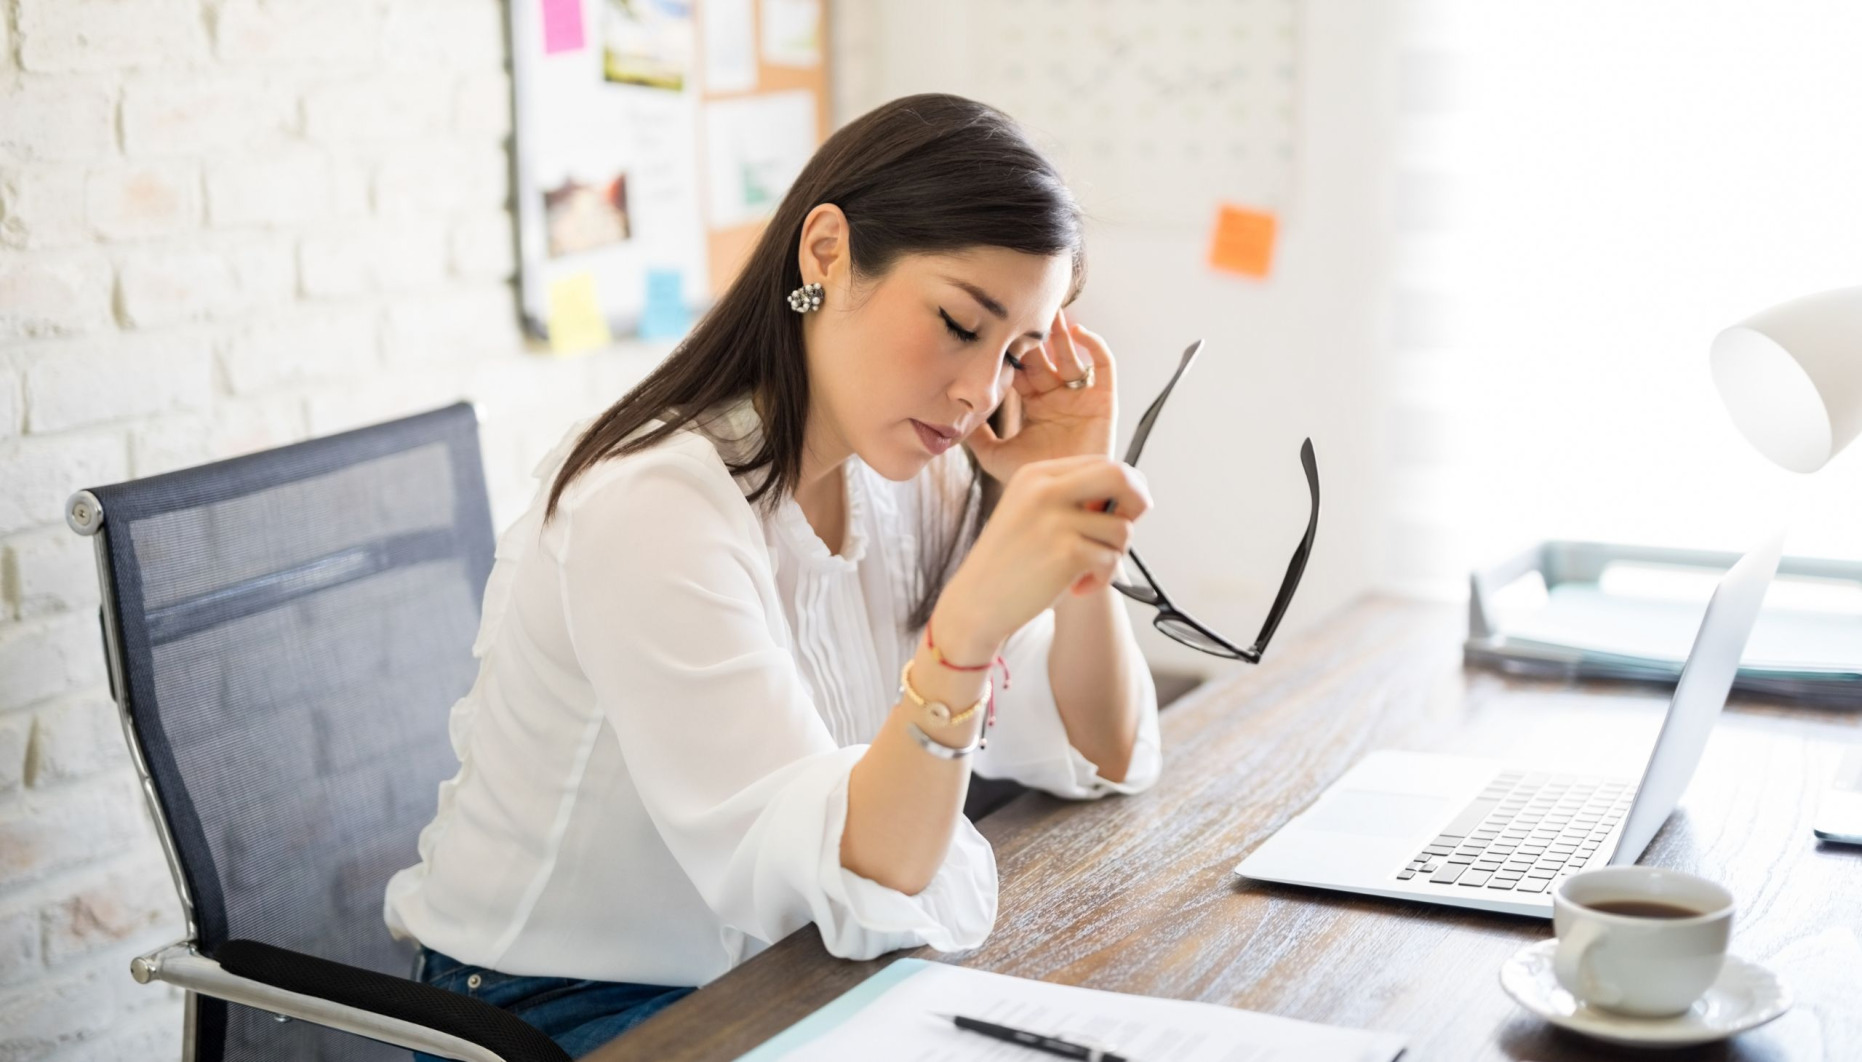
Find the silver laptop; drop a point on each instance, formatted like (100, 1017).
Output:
(1495, 835)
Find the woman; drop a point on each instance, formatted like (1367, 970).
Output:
(739, 657)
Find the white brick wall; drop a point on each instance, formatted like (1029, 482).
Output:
(225, 225)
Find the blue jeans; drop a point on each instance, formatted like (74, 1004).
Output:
(579, 1015)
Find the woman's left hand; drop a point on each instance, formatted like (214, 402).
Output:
(1055, 420)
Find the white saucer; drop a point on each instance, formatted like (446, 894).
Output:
(1745, 996)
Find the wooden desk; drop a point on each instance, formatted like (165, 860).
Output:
(1136, 894)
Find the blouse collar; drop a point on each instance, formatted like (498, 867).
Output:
(743, 433)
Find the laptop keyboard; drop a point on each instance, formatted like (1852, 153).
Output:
(1524, 832)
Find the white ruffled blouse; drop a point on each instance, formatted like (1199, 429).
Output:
(672, 690)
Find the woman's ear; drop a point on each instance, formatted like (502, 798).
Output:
(825, 236)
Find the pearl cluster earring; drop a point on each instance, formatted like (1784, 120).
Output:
(805, 298)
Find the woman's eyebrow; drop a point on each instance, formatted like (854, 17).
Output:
(984, 300)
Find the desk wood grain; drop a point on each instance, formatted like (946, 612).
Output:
(1137, 894)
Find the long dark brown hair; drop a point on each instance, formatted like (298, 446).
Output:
(924, 174)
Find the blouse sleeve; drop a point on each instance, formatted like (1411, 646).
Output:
(1029, 742)
(669, 615)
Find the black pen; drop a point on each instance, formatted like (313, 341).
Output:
(1035, 1040)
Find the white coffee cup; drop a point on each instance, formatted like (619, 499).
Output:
(1616, 952)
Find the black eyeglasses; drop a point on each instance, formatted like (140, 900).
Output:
(1173, 621)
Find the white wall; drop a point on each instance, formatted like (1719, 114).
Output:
(224, 226)
(1296, 355)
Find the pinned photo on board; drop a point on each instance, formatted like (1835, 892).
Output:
(647, 42)
(585, 215)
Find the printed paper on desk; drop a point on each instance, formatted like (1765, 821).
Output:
(895, 1014)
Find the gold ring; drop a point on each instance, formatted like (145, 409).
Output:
(1084, 381)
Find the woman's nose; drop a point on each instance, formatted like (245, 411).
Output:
(980, 387)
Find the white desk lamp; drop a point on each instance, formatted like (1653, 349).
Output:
(1791, 377)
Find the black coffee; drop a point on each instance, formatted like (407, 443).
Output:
(1644, 909)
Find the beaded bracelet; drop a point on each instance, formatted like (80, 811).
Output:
(938, 710)
(938, 655)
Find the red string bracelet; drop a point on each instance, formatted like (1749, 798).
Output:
(937, 654)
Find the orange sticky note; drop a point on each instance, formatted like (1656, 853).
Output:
(1244, 240)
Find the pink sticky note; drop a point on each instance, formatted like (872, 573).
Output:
(562, 26)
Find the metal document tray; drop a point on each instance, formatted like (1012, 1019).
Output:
(1582, 630)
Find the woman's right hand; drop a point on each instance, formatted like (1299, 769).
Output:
(1047, 536)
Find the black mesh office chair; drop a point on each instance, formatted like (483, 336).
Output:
(286, 633)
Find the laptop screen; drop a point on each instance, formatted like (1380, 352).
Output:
(1706, 679)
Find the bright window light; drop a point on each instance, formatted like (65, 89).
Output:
(1624, 180)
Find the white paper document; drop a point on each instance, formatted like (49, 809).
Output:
(902, 1014)
(792, 32)
(730, 45)
(754, 148)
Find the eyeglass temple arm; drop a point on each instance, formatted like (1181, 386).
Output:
(1149, 417)
(1296, 567)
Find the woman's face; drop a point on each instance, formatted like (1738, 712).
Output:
(902, 369)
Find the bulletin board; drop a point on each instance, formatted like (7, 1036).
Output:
(653, 140)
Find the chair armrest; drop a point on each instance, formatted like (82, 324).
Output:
(379, 1006)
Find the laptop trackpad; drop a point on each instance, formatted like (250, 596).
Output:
(1378, 814)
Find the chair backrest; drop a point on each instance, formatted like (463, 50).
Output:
(288, 631)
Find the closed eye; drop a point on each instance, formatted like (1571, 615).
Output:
(957, 330)
(967, 336)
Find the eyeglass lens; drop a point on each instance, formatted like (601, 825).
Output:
(1191, 635)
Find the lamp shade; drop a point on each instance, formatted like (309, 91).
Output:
(1791, 377)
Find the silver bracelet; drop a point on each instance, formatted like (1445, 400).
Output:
(941, 751)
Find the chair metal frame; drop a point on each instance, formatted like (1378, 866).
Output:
(182, 963)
